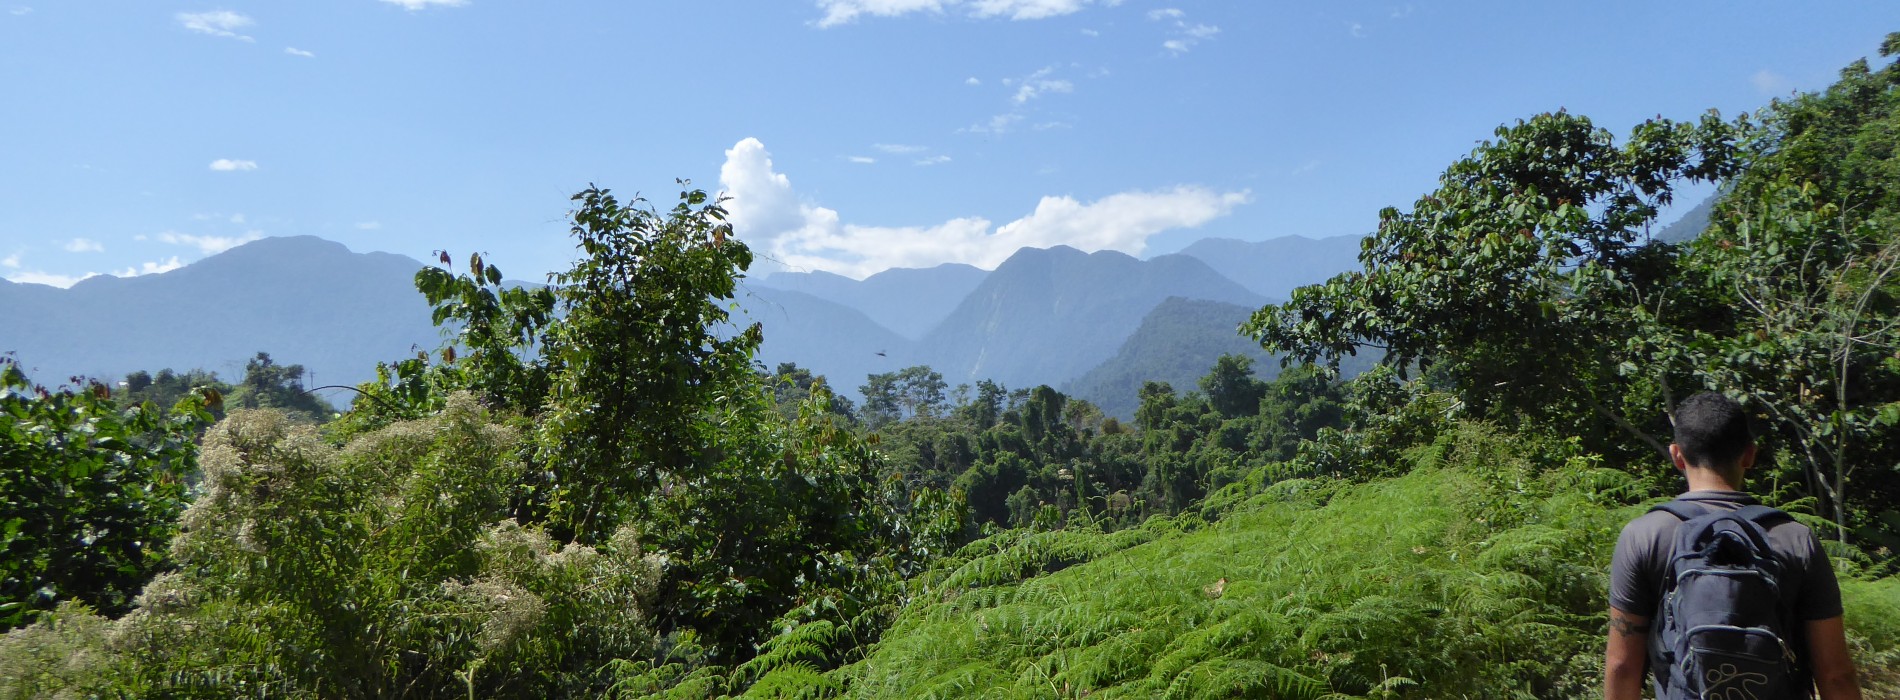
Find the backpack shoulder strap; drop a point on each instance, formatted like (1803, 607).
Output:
(1680, 509)
(1762, 515)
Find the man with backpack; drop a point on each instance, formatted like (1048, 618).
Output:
(1723, 598)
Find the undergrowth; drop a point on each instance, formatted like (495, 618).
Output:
(1481, 573)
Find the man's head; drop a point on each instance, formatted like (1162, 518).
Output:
(1712, 433)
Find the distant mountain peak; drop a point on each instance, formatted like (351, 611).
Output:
(303, 299)
(1273, 267)
(1047, 315)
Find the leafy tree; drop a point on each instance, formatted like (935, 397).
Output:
(494, 348)
(1156, 399)
(1296, 406)
(1523, 279)
(907, 393)
(793, 385)
(639, 345)
(983, 410)
(267, 384)
(167, 388)
(498, 329)
(1231, 387)
(1800, 259)
(1521, 284)
(90, 493)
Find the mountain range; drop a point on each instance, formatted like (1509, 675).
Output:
(304, 299)
(1044, 316)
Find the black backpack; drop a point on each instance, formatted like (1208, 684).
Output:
(1722, 631)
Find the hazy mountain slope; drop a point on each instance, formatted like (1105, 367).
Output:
(908, 301)
(1044, 316)
(1273, 267)
(1047, 316)
(1176, 343)
(313, 302)
(302, 299)
(824, 336)
(1692, 223)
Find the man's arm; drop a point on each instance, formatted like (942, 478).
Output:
(1833, 668)
(1623, 664)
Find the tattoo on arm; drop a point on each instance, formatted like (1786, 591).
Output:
(1627, 627)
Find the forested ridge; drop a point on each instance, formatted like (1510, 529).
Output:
(594, 488)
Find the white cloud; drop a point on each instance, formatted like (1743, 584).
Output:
(1027, 88)
(862, 160)
(11, 261)
(368, 225)
(224, 23)
(1770, 82)
(898, 148)
(998, 124)
(236, 218)
(972, 81)
(294, 51)
(1031, 89)
(48, 278)
(414, 5)
(84, 245)
(800, 235)
(152, 267)
(226, 165)
(846, 11)
(1402, 11)
(1026, 9)
(1357, 30)
(1090, 32)
(763, 204)
(20, 11)
(1307, 167)
(933, 160)
(1183, 36)
(209, 245)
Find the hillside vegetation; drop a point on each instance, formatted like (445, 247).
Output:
(1176, 343)
(594, 488)
(1479, 573)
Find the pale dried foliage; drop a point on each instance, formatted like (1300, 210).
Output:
(255, 463)
(55, 657)
(403, 531)
(506, 611)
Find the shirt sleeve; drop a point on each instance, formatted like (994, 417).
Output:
(1632, 581)
(1820, 592)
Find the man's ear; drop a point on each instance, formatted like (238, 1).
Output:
(1747, 460)
(1675, 456)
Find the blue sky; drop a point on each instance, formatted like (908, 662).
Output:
(854, 135)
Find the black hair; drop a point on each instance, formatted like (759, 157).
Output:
(1712, 430)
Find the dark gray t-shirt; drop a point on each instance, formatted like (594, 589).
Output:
(1642, 557)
